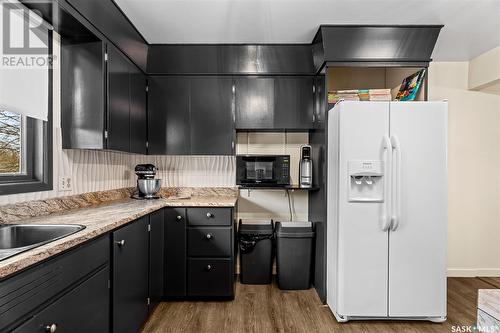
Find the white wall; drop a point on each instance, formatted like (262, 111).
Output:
(474, 165)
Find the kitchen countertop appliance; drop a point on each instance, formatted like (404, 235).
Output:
(263, 170)
(305, 167)
(147, 185)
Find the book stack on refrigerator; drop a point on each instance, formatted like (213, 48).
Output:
(380, 94)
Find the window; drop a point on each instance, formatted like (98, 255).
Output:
(12, 143)
(25, 111)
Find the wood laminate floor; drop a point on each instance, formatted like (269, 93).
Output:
(267, 309)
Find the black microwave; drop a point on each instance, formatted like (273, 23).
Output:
(263, 170)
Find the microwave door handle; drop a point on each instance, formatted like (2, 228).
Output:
(386, 208)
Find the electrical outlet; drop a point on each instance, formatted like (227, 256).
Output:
(65, 184)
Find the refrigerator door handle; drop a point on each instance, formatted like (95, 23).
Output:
(396, 191)
(386, 209)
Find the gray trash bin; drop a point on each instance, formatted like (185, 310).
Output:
(294, 246)
(256, 252)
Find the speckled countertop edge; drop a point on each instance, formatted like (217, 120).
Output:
(99, 220)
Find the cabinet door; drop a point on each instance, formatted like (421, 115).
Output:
(294, 103)
(83, 309)
(212, 129)
(169, 120)
(175, 252)
(130, 276)
(118, 124)
(254, 103)
(138, 114)
(156, 257)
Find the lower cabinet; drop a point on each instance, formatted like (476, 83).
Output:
(83, 309)
(156, 257)
(130, 276)
(200, 252)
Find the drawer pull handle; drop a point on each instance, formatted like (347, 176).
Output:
(120, 243)
(179, 217)
(209, 236)
(51, 328)
(209, 215)
(208, 268)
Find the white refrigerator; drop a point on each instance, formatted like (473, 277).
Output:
(387, 210)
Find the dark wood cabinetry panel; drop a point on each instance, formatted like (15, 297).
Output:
(212, 130)
(254, 103)
(138, 112)
(294, 103)
(130, 276)
(82, 94)
(210, 216)
(83, 309)
(209, 242)
(169, 120)
(210, 277)
(156, 257)
(109, 20)
(175, 252)
(118, 101)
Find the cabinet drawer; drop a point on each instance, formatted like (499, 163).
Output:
(210, 216)
(83, 309)
(210, 277)
(21, 294)
(209, 242)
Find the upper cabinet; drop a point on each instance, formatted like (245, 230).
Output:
(274, 103)
(111, 22)
(103, 98)
(190, 115)
(212, 128)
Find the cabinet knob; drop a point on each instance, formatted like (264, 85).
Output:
(51, 328)
(208, 268)
(120, 243)
(209, 215)
(179, 217)
(209, 236)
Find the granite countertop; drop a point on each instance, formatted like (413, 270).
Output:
(99, 220)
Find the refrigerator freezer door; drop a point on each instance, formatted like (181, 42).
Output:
(417, 246)
(362, 242)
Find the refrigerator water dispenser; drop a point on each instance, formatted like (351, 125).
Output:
(366, 181)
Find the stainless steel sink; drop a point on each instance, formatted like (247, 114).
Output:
(17, 238)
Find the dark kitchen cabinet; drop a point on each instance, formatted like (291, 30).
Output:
(190, 116)
(156, 257)
(130, 276)
(210, 277)
(274, 103)
(294, 103)
(169, 120)
(212, 129)
(254, 103)
(138, 112)
(118, 129)
(83, 309)
(103, 101)
(52, 292)
(175, 252)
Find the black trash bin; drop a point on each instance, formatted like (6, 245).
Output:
(256, 252)
(294, 246)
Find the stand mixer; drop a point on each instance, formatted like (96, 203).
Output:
(147, 185)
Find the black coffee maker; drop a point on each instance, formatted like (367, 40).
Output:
(147, 185)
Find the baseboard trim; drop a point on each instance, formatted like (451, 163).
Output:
(468, 272)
